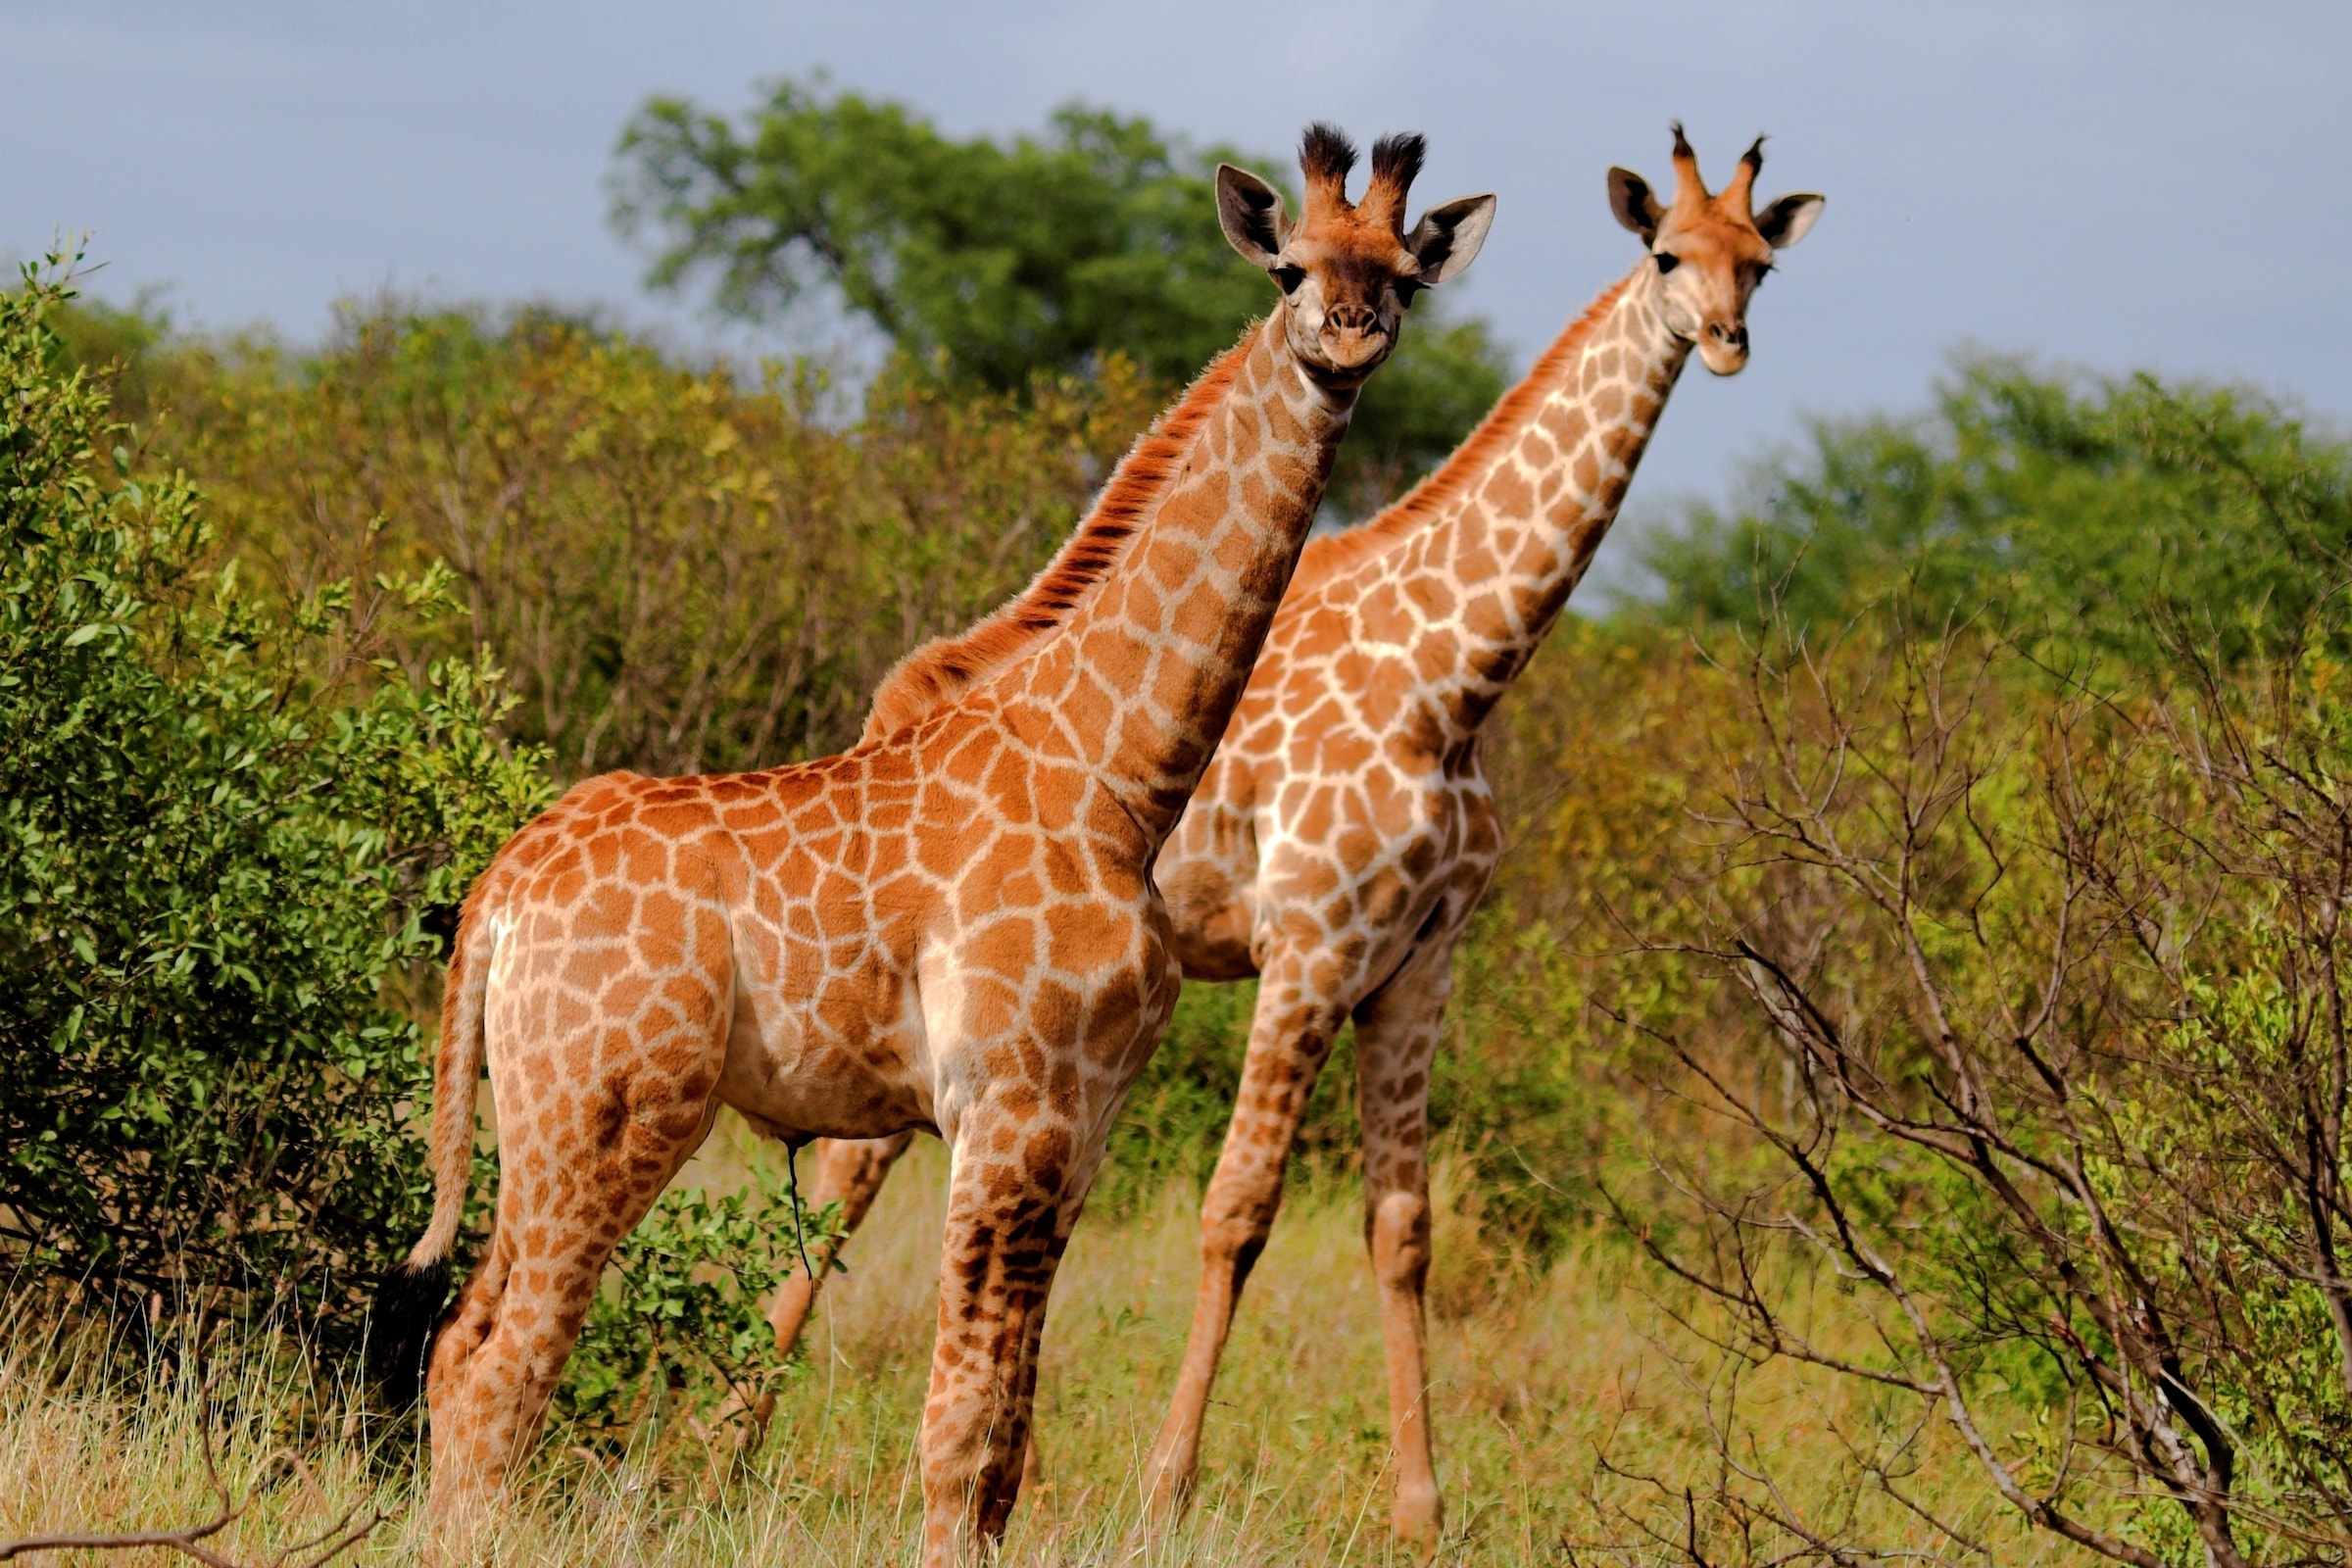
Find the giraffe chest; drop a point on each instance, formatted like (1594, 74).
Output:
(1347, 841)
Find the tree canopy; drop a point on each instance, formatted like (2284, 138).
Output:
(1001, 259)
(2084, 512)
(994, 262)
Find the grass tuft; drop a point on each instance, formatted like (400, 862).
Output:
(1567, 1407)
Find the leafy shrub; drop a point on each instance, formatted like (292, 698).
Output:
(685, 570)
(220, 833)
(2026, 1017)
(683, 1322)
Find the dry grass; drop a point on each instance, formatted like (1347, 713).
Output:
(1535, 1381)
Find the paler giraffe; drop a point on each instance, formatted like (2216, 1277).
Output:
(952, 926)
(1345, 830)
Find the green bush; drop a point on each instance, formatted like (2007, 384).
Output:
(221, 831)
(685, 569)
(683, 1322)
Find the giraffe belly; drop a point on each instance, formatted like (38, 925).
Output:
(840, 1060)
(1207, 877)
(1211, 921)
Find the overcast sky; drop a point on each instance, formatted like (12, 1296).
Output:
(2107, 186)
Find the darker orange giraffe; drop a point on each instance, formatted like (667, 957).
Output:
(952, 926)
(1344, 831)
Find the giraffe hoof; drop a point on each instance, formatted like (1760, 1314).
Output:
(1418, 1520)
(1166, 1491)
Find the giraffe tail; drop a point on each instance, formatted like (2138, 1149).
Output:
(411, 1300)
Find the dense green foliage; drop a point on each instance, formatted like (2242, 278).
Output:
(996, 263)
(2088, 516)
(219, 834)
(684, 571)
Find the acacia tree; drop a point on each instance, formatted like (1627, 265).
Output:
(2056, 1001)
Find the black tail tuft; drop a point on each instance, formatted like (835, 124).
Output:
(401, 1326)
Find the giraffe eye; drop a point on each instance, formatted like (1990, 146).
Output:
(1668, 261)
(1290, 278)
(1406, 288)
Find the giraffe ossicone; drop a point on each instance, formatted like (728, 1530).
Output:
(1345, 830)
(952, 926)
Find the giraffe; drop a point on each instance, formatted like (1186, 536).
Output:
(1345, 830)
(951, 926)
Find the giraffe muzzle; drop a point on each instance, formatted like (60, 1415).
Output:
(1723, 347)
(1352, 338)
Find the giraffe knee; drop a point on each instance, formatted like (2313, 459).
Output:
(1400, 1237)
(1233, 1239)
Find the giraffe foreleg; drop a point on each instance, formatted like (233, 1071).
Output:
(1014, 1200)
(1396, 1032)
(1291, 1035)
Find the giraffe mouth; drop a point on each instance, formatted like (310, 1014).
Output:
(1352, 349)
(1723, 358)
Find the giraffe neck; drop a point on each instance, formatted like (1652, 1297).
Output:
(1511, 534)
(1139, 683)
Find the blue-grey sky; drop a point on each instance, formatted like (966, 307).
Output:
(2103, 184)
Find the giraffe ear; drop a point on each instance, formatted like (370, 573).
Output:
(1447, 237)
(1786, 220)
(1635, 208)
(1250, 213)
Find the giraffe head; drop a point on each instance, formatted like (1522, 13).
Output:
(1348, 271)
(1711, 251)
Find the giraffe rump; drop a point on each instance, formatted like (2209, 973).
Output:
(944, 669)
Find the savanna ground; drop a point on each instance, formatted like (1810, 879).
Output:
(1560, 1416)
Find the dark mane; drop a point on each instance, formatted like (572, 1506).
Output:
(944, 669)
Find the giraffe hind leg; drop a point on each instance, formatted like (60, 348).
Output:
(1396, 1033)
(578, 1167)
